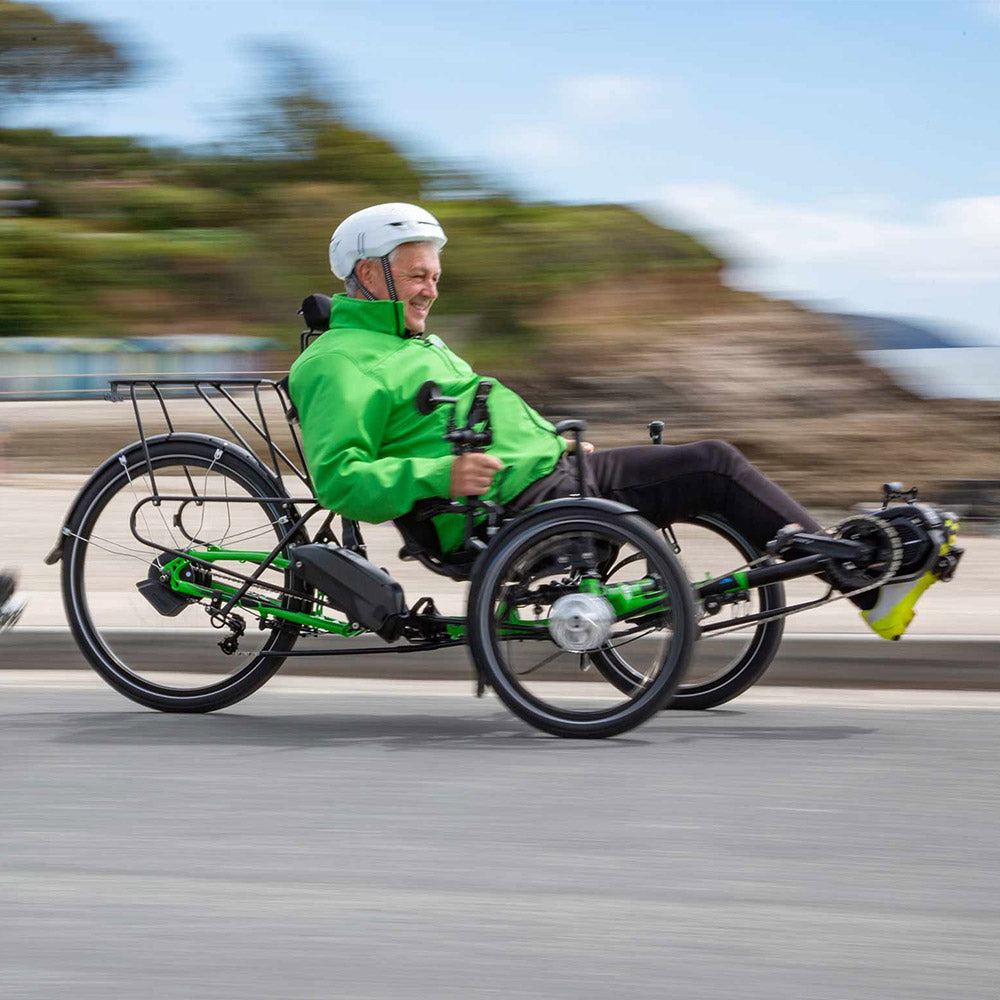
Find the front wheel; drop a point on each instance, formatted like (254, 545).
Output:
(537, 609)
(168, 657)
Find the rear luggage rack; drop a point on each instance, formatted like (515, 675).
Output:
(218, 395)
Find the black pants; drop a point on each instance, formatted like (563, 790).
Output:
(668, 483)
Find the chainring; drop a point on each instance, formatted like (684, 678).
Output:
(886, 559)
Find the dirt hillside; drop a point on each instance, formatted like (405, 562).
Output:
(782, 383)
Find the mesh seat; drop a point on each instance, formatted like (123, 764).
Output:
(421, 542)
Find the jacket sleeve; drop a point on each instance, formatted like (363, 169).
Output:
(343, 414)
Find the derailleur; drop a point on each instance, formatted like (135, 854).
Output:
(235, 623)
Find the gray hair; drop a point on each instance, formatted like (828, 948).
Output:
(352, 286)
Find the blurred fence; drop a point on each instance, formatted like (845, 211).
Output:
(79, 368)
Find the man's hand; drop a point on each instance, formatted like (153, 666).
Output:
(587, 447)
(472, 473)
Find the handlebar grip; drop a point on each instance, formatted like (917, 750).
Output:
(479, 410)
(577, 427)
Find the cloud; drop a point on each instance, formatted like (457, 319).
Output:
(532, 144)
(975, 219)
(571, 122)
(956, 240)
(607, 97)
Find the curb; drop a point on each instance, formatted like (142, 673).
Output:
(818, 660)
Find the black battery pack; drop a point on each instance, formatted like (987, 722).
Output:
(354, 585)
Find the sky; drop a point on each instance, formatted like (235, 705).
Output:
(845, 154)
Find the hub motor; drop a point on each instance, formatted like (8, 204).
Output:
(581, 622)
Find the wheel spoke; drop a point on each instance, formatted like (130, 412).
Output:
(151, 642)
(540, 664)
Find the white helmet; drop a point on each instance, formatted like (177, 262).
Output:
(377, 231)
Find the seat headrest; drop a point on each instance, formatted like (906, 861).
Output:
(316, 311)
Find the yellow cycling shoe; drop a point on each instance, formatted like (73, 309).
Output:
(930, 555)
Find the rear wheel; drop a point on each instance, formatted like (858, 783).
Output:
(163, 651)
(722, 666)
(537, 608)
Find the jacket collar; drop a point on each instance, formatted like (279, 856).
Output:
(380, 316)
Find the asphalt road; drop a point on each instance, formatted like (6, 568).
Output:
(352, 839)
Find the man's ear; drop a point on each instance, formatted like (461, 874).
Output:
(369, 273)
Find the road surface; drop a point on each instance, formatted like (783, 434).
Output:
(373, 839)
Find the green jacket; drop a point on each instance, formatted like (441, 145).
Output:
(371, 455)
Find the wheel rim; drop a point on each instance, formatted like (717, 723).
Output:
(557, 684)
(171, 657)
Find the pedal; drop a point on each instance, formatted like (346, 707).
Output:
(947, 564)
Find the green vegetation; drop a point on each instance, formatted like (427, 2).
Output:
(104, 235)
(42, 54)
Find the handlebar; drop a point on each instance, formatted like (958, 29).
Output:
(464, 439)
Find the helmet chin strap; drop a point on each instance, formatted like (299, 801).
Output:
(389, 284)
(387, 271)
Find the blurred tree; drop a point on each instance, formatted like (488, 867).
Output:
(107, 234)
(296, 131)
(41, 54)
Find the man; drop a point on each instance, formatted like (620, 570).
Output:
(372, 456)
(11, 605)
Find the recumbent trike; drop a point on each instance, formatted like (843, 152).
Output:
(189, 573)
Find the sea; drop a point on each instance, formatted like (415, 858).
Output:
(944, 372)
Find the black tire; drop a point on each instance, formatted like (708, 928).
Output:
(183, 453)
(495, 664)
(747, 667)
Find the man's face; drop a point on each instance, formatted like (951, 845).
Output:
(416, 271)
